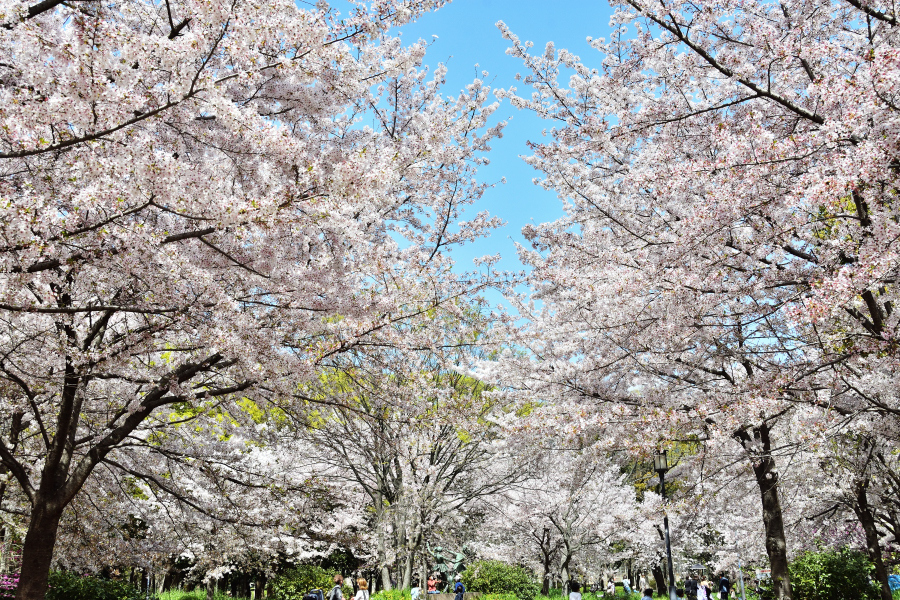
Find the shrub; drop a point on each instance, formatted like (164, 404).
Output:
(65, 585)
(293, 584)
(495, 577)
(832, 575)
(391, 595)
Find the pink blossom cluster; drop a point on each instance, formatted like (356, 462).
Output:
(9, 582)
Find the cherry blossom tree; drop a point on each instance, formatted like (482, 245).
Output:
(414, 441)
(194, 218)
(576, 510)
(728, 252)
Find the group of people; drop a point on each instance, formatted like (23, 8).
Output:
(433, 582)
(695, 589)
(337, 592)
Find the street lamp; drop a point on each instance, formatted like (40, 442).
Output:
(661, 465)
(545, 550)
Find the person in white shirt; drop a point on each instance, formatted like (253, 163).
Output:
(575, 593)
(363, 592)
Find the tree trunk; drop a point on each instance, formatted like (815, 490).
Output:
(410, 562)
(382, 552)
(867, 520)
(385, 578)
(659, 578)
(37, 551)
(767, 480)
(210, 589)
(564, 573)
(545, 587)
(260, 587)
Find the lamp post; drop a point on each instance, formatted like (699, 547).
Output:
(661, 465)
(545, 550)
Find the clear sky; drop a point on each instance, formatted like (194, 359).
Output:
(467, 35)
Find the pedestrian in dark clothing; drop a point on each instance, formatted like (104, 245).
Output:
(724, 587)
(690, 587)
(459, 589)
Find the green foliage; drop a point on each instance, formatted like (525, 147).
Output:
(391, 595)
(556, 594)
(295, 583)
(499, 597)
(198, 594)
(495, 577)
(832, 575)
(65, 585)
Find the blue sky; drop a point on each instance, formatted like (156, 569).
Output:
(467, 35)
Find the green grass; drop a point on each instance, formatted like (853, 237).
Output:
(556, 594)
(195, 595)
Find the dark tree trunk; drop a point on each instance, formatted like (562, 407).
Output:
(37, 553)
(545, 587)
(867, 520)
(260, 587)
(659, 579)
(760, 450)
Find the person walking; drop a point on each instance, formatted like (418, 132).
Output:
(362, 593)
(690, 587)
(703, 590)
(724, 587)
(336, 593)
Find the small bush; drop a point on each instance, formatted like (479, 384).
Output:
(295, 583)
(391, 595)
(832, 575)
(65, 585)
(495, 577)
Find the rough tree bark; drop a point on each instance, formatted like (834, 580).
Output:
(867, 520)
(659, 578)
(40, 540)
(757, 443)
